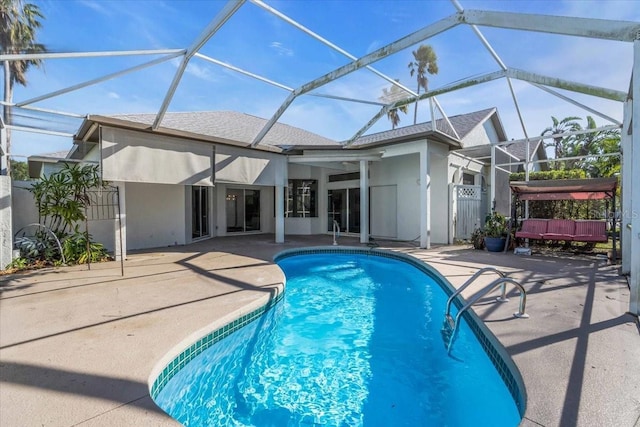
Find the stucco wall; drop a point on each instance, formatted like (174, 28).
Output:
(438, 168)
(403, 172)
(24, 207)
(155, 215)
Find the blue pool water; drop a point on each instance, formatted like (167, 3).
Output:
(354, 341)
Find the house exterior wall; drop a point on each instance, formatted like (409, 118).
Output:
(51, 168)
(155, 215)
(401, 168)
(490, 131)
(440, 216)
(403, 173)
(24, 206)
(477, 136)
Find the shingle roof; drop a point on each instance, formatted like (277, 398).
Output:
(232, 125)
(519, 149)
(243, 128)
(57, 155)
(463, 124)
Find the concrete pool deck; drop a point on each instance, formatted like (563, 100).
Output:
(77, 347)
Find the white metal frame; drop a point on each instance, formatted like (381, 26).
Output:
(624, 31)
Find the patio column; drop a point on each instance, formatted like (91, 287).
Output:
(627, 176)
(492, 193)
(424, 182)
(364, 201)
(122, 225)
(6, 222)
(281, 182)
(634, 282)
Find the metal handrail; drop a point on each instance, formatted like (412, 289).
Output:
(491, 286)
(502, 298)
(336, 230)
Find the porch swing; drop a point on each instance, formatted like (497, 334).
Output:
(568, 230)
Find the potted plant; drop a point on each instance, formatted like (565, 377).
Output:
(495, 232)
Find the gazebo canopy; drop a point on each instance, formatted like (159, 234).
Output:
(565, 189)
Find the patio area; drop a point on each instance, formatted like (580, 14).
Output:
(78, 346)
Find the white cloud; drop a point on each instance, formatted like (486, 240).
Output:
(96, 7)
(113, 95)
(280, 49)
(201, 72)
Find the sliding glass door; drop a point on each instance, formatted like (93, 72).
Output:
(344, 208)
(242, 210)
(199, 212)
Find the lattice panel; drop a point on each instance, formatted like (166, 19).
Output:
(469, 192)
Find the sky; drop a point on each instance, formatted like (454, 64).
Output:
(260, 42)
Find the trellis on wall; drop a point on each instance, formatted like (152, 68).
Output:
(104, 205)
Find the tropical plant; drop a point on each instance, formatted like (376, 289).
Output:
(560, 142)
(17, 264)
(596, 143)
(19, 23)
(424, 61)
(79, 248)
(61, 198)
(495, 225)
(390, 96)
(39, 247)
(606, 166)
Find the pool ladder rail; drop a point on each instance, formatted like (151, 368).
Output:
(450, 324)
(336, 232)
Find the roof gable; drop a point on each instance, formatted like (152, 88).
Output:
(462, 123)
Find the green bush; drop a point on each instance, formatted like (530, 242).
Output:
(18, 264)
(477, 238)
(495, 225)
(75, 249)
(546, 175)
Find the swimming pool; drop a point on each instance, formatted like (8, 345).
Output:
(354, 341)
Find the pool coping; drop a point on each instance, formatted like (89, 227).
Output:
(197, 342)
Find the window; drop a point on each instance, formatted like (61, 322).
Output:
(350, 176)
(468, 179)
(301, 198)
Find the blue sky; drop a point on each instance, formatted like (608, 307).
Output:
(260, 42)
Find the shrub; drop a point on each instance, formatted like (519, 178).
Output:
(477, 238)
(495, 225)
(75, 249)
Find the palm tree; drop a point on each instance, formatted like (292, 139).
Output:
(390, 96)
(562, 144)
(425, 61)
(19, 23)
(600, 142)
